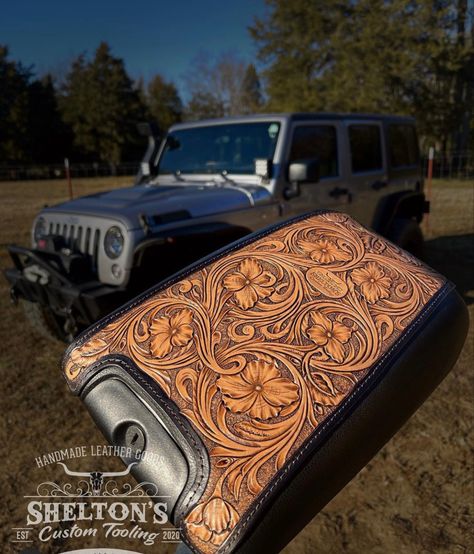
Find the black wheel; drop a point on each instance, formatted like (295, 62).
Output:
(407, 234)
(44, 322)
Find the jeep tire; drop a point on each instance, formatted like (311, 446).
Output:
(44, 322)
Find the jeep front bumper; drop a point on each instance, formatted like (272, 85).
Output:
(37, 276)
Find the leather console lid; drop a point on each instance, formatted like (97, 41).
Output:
(308, 339)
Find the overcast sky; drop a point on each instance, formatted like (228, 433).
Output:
(152, 36)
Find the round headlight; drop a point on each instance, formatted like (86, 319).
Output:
(113, 242)
(40, 228)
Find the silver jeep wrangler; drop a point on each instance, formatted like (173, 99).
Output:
(204, 185)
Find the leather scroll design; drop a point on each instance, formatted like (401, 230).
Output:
(260, 346)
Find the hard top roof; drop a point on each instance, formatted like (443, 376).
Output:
(298, 116)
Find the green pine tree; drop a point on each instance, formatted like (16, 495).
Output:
(164, 102)
(102, 107)
(251, 91)
(49, 138)
(14, 82)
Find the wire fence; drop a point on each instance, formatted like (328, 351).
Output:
(447, 165)
(451, 165)
(57, 171)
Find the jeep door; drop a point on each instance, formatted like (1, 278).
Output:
(322, 140)
(404, 171)
(365, 167)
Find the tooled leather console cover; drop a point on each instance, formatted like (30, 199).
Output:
(257, 349)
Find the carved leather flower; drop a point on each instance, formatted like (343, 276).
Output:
(258, 390)
(330, 335)
(168, 332)
(249, 283)
(373, 282)
(323, 251)
(212, 521)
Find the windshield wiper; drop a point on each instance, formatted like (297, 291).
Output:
(224, 175)
(177, 175)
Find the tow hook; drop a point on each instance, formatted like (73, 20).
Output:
(13, 296)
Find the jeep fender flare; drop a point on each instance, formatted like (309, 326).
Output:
(405, 205)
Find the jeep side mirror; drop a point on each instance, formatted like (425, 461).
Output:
(292, 190)
(304, 171)
(299, 172)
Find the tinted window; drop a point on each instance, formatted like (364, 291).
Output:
(403, 145)
(366, 149)
(316, 141)
(230, 147)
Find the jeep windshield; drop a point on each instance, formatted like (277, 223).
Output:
(225, 148)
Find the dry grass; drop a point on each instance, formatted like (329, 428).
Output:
(415, 496)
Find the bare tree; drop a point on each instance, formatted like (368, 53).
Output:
(215, 86)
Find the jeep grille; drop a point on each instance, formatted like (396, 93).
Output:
(84, 239)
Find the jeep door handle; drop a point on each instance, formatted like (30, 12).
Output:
(338, 191)
(377, 185)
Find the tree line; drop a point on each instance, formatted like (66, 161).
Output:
(91, 113)
(399, 57)
(406, 57)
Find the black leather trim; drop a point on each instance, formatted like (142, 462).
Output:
(417, 369)
(181, 431)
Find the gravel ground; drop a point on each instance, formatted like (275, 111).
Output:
(415, 496)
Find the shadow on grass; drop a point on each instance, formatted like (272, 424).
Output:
(453, 256)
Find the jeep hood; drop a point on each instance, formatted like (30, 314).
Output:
(164, 203)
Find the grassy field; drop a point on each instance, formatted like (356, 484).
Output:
(416, 496)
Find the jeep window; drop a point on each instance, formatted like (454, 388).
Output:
(366, 148)
(403, 145)
(230, 148)
(316, 141)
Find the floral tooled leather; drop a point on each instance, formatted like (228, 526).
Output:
(260, 346)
